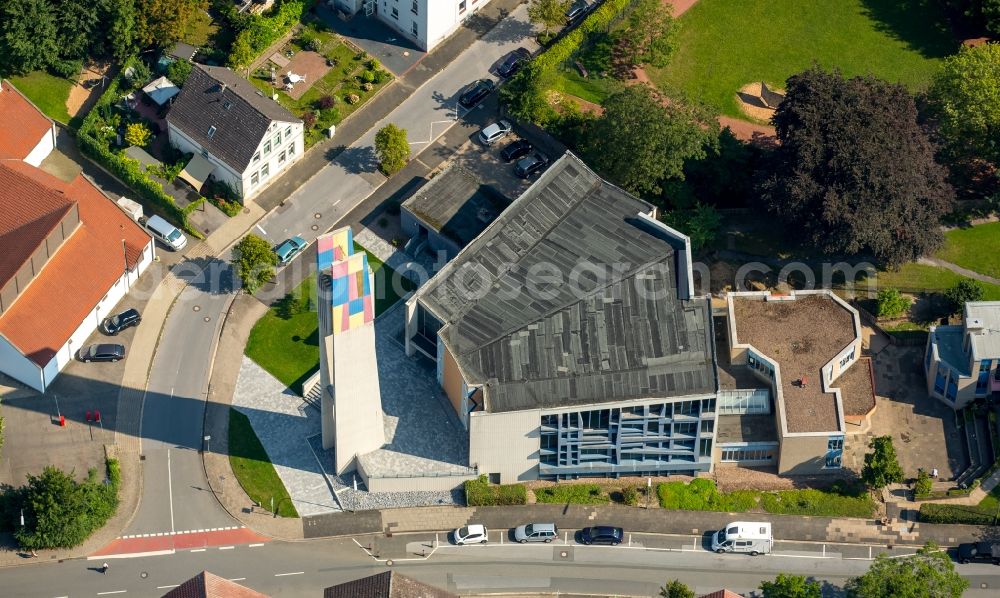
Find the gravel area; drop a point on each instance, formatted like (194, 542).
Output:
(361, 501)
(802, 336)
(857, 391)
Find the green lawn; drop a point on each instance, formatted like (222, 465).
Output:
(918, 277)
(702, 495)
(253, 468)
(593, 89)
(287, 344)
(725, 44)
(339, 82)
(48, 92)
(974, 248)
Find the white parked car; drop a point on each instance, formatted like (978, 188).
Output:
(494, 132)
(471, 534)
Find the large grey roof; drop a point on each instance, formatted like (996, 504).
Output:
(599, 338)
(240, 128)
(456, 204)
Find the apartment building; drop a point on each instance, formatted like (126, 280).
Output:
(568, 338)
(963, 362)
(424, 22)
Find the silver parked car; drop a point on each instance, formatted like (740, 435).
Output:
(536, 532)
(494, 132)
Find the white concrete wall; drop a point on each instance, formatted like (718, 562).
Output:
(19, 367)
(415, 484)
(358, 421)
(44, 147)
(505, 443)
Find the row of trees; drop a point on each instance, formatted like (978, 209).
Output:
(927, 574)
(59, 34)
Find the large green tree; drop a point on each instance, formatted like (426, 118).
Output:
(974, 17)
(652, 34)
(791, 586)
(523, 95)
(641, 139)
(76, 27)
(855, 173)
(965, 99)
(927, 574)
(392, 148)
(28, 35)
(676, 589)
(255, 261)
(963, 292)
(548, 13)
(881, 466)
(162, 22)
(61, 512)
(121, 24)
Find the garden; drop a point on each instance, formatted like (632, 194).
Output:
(351, 79)
(285, 341)
(48, 92)
(725, 45)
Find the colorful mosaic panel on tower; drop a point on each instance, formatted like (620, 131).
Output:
(351, 301)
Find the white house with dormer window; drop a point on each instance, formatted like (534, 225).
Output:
(424, 22)
(236, 133)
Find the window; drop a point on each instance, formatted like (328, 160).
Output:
(686, 428)
(256, 157)
(984, 375)
(847, 359)
(277, 139)
(461, 7)
(834, 451)
(291, 149)
(211, 132)
(395, 13)
(267, 148)
(281, 158)
(414, 29)
(265, 171)
(939, 379)
(288, 133)
(227, 105)
(254, 179)
(705, 448)
(746, 454)
(415, 8)
(707, 426)
(952, 391)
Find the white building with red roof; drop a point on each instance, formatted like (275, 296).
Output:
(68, 254)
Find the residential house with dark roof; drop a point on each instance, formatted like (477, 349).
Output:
(25, 133)
(388, 584)
(962, 362)
(569, 340)
(69, 253)
(247, 139)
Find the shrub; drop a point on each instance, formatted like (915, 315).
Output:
(367, 86)
(891, 303)
(480, 493)
(256, 32)
(964, 291)
(817, 502)
(137, 134)
(630, 496)
(308, 119)
(373, 64)
(963, 514)
(179, 70)
(352, 98)
(923, 485)
(576, 494)
(326, 102)
(381, 76)
(367, 77)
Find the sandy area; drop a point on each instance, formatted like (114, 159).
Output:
(83, 94)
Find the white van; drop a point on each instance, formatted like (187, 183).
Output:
(750, 537)
(166, 232)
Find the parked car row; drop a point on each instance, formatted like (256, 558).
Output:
(540, 532)
(528, 161)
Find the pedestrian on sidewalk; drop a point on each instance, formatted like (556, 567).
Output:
(104, 568)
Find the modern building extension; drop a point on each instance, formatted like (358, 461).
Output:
(963, 362)
(568, 338)
(237, 135)
(69, 254)
(799, 350)
(425, 22)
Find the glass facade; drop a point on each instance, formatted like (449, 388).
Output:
(654, 439)
(834, 452)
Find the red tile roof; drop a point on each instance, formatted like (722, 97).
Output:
(22, 125)
(208, 585)
(722, 594)
(85, 266)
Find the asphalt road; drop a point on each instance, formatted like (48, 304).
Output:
(305, 568)
(175, 496)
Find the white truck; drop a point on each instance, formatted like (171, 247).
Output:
(750, 537)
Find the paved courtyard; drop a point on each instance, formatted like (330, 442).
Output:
(923, 429)
(423, 435)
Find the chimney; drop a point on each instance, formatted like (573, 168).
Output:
(222, 88)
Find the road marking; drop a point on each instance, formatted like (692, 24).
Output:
(260, 228)
(226, 547)
(284, 574)
(198, 550)
(167, 587)
(115, 592)
(170, 488)
(238, 579)
(255, 545)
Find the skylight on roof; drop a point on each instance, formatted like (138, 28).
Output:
(211, 131)
(227, 105)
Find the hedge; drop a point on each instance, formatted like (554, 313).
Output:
(124, 168)
(260, 31)
(480, 493)
(597, 21)
(575, 494)
(964, 514)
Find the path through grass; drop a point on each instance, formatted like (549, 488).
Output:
(726, 44)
